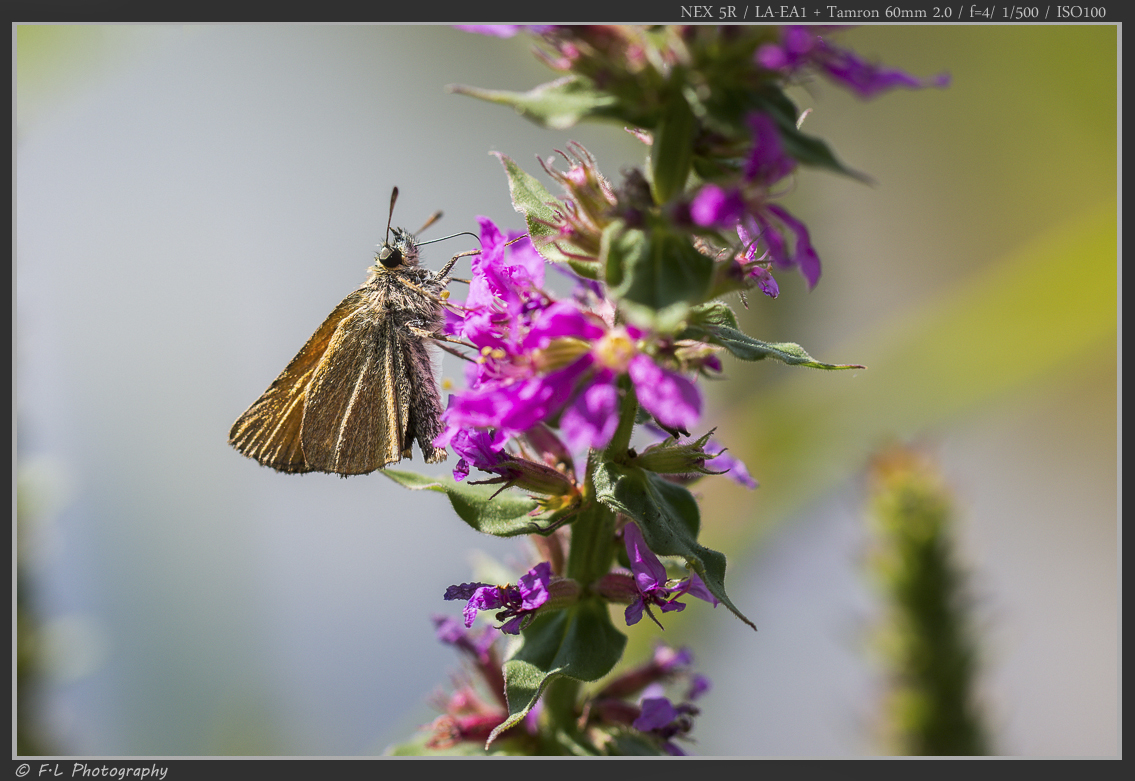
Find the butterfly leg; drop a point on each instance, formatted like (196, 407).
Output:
(444, 273)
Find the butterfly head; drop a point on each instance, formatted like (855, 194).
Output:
(399, 251)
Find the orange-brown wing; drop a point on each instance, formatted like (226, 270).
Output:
(269, 430)
(356, 412)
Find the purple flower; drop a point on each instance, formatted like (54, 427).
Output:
(543, 360)
(669, 397)
(672, 660)
(504, 292)
(651, 581)
(478, 646)
(663, 719)
(450, 632)
(734, 468)
(657, 712)
(476, 448)
(767, 163)
(519, 602)
(699, 685)
(803, 255)
(802, 47)
(756, 269)
(715, 206)
(747, 208)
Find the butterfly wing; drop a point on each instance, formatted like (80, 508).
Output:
(270, 430)
(356, 412)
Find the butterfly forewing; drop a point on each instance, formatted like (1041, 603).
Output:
(362, 366)
(269, 430)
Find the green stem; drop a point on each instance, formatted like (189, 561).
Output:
(560, 716)
(592, 540)
(590, 557)
(593, 531)
(616, 450)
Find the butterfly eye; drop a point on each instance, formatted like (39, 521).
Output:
(390, 257)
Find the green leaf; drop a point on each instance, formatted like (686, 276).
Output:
(747, 348)
(656, 268)
(714, 313)
(558, 104)
(579, 642)
(668, 515)
(541, 215)
(481, 506)
(673, 148)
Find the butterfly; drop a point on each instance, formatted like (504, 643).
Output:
(362, 389)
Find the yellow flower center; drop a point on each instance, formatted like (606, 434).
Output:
(559, 353)
(615, 350)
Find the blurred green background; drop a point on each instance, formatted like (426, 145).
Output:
(191, 201)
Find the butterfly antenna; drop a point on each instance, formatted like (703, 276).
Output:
(432, 219)
(455, 235)
(393, 198)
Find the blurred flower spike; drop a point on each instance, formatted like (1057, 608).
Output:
(557, 380)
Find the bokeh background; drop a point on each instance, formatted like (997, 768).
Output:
(191, 202)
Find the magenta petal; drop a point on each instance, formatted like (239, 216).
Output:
(533, 586)
(633, 613)
(668, 396)
(657, 712)
(697, 588)
(771, 56)
(523, 255)
(734, 468)
(561, 319)
(512, 627)
(805, 257)
(648, 570)
(767, 162)
(699, 685)
(715, 206)
(487, 598)
(869, 80)
(673, 659)
(591, 419)
(766, 282)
